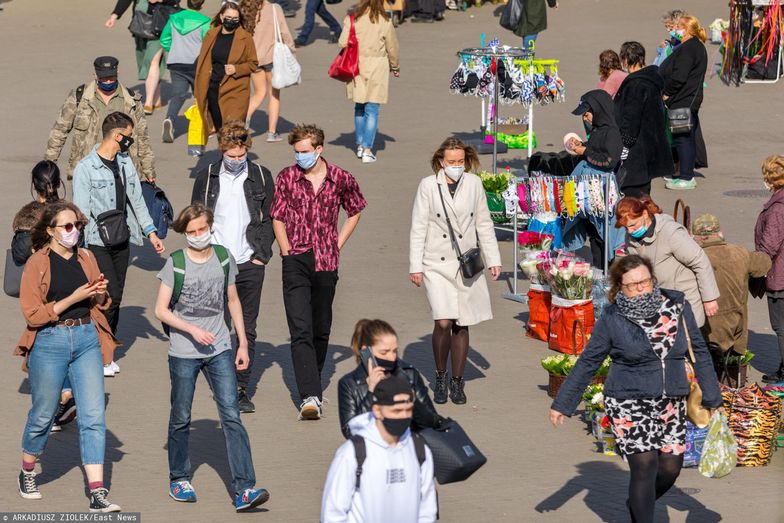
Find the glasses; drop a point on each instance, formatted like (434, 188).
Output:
(70, 226)
(237, 137)
(639, 285)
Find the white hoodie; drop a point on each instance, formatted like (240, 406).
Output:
(392, 488)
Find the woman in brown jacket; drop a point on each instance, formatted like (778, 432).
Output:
(223, 69)
(378, 55)
(62, 296)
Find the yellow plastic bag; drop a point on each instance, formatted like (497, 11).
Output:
(195, 127)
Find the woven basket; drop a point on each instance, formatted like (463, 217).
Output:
(555, 382)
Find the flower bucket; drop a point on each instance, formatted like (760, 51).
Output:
(555, 381)
(539, 299)
(571, 323)
(497, 207)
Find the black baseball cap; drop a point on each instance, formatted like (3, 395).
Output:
(388, 388)
(106, 67)
(582, 108)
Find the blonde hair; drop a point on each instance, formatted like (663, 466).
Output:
(234, 134)
(452, 144)
(773, 171)
(693, 27)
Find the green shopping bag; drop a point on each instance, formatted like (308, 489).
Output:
(720, 451)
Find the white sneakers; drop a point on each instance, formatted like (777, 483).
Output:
(368, 157)
(360, 150)
(310, 409)
(110, 370)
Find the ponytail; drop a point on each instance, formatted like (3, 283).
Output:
(693, 27)
(366, 332)
(46, 180)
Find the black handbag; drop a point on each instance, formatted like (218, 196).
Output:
(471, 263)
(455, 457)
(510, 16)
(141, 25)
(681, 120)
(12, 277)
(113, 224)
(160, 17)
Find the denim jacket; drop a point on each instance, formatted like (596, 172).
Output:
(94, 193)
(636, 371)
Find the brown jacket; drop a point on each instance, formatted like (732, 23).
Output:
(39, 313)
(234, 90)
(732, 266)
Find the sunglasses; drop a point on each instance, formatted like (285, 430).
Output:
(70, 226)
(237, 137)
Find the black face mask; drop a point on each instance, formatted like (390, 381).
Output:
(230, 24)
(125, 143)
(396, 427)
(388, 366)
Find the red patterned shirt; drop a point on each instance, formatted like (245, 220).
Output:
(311, 220)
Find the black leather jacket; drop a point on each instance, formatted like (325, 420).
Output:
(354, 398)
(259, 190)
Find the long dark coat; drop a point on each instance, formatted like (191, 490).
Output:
(533, 19)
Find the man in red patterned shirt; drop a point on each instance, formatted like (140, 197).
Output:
(308, 197)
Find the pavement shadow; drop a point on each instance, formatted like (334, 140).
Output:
(348, 140)
(420, 355)
(767, 357)
(268, 356)
(605, 485)
(258, 121)
(146, 259)
(135, 325)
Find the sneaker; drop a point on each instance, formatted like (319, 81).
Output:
(273, 137)
(56, 427)
(246, 405)
(440, 390)
(28, 487)
(301, 42)
(108, 372)
(368, 157)
(334, 38)
(168, 131)
(115, 368)
(456, 392)
(289, 13)
(250, 498)
(681, 185)
(182, 491)
(310, 409)
(360, 150)
(99, 503)
(66, 413)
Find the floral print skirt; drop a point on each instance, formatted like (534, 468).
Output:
(644, 424)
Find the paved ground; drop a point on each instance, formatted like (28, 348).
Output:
(534, 472)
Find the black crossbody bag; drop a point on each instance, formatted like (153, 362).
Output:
(113, 224)
(471, 262)
(681, 120)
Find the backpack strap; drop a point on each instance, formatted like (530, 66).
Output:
(178, 261)
(223, 257)
(360, 452)
(261, 171)
(419, 448)
(79, 93)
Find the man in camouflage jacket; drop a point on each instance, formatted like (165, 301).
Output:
(83, 113)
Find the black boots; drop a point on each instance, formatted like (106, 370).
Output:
(456, 393)
(440, 390)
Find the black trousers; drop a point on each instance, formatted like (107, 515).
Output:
(307, 297)
(113, 262)
(776, 314)
(213, 106)
(249, 281)
(684, 148)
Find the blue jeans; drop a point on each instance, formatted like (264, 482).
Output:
(74, 353)
(528, 40)
(366, 123)
(313, 8)
(221, 375)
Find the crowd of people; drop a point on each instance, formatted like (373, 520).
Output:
(673, 290)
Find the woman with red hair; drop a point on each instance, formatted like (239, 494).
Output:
(679, 262)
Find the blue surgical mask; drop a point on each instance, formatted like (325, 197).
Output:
(306, 160)
(234, 166)
(107, 87)
(639, 233)
(677, 34)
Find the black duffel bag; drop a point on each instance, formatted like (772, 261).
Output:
(455, 457)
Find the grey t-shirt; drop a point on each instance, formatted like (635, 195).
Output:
(201, 303)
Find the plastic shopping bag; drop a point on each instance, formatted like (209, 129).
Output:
(720, 451)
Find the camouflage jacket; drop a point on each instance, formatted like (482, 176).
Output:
(82, 119)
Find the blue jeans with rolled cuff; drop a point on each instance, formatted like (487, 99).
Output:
(366, 123)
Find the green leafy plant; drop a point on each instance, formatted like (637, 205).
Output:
(494, 183)
(742, 359)
(594, 397)
(562, 365)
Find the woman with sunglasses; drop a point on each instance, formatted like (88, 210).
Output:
(680, 262)
(62, 295)
(646, 332)
(223, 69)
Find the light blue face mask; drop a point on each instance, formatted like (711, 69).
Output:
(639, 233)
(306, 160)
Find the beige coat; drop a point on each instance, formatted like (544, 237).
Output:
(679, 263)
(264, 32)
(431, 251)
(378, 54)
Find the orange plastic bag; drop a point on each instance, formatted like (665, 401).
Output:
(538, 326)
(571, 323)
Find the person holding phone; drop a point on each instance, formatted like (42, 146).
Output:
(374, 345)
(62, 295)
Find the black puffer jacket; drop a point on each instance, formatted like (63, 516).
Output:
(354, 398)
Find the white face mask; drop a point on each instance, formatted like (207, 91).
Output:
(69, 239)
(200, 242)
(454, 172)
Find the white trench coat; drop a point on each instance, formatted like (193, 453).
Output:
(431, 250)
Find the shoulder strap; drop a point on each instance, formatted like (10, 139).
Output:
(419, 448)
(178, 261)
(360, 453)
(688, 342)
(223, 258)
(261, 171)
(79, 93)
(449, 222)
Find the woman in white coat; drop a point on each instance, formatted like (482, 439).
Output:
(456, 302)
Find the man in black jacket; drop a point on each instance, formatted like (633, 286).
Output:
(240, 194)
(639, 112)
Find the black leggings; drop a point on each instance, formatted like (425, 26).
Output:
(214, 107)
(449, 337)
(653, 473)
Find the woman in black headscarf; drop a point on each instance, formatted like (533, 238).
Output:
(601, 155)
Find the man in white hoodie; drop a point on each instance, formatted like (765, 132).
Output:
(394, 481)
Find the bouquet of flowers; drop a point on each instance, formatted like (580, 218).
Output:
(569, 277)
(560, 365)
(531, 264)
(594, 398)
(530, 241)
(494, 183)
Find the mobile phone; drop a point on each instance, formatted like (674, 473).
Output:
(367, 355)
